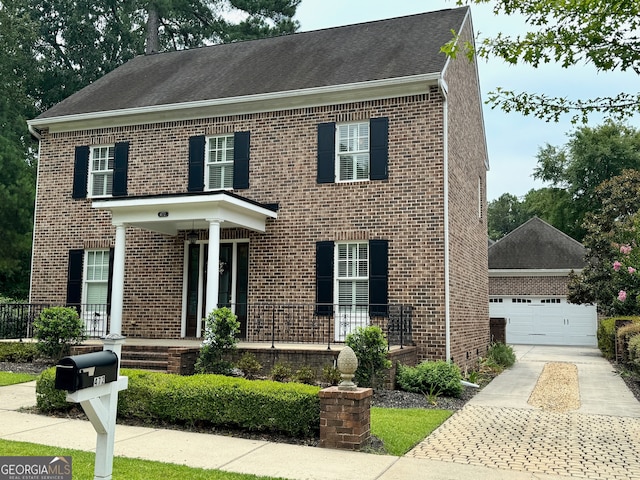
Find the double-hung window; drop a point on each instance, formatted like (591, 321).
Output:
(101, 165)
(219, 164)
(353, 151)
(96, 278)
(353, 278)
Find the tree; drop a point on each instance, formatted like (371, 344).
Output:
(613, 235)
(602, 33)
(592, 156)
(49, 49)
(504, 215)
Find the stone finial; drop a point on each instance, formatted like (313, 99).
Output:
(347, 365)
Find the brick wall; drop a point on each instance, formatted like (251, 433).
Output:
(407, 209)
(533, 285)
(469, 310)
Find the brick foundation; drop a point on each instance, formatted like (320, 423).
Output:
(345, 421)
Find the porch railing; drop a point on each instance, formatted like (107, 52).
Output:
(260, 322)
(16, 319)
(321, 323)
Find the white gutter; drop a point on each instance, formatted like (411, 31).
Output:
(316, 96)
(36, 135)
(447, 293)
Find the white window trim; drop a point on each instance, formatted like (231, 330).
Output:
(207, 164)
(92, 172)
(355, 152)
(93, 323)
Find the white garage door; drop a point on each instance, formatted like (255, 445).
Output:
(546, 321)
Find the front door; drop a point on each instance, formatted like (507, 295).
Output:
(233, 283)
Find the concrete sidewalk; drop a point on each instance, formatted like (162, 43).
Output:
(505, 397)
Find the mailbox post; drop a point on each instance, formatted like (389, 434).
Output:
(93, 380)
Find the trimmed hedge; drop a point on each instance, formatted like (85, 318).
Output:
(607, 336)
(18, 352)
(206, 399)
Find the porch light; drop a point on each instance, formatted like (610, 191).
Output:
(192, 236)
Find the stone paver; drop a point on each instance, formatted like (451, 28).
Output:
(539, 442)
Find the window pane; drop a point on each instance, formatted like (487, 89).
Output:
(219, 172)
(97, 293)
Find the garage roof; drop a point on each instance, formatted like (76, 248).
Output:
(536, 245)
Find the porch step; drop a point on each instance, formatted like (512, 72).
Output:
(145, 358)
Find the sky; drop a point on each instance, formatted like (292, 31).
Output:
(513, 140)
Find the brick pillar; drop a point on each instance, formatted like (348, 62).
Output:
(345, 420)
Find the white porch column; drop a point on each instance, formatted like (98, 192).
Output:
(213, 265)
(117, 285)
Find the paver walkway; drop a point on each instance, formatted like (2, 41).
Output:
(515, 436)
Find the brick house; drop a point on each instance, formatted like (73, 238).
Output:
(528, 277)
(342, 169)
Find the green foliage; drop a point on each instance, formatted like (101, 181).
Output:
(331, 375)
(501, 355)
(634, 350)
(56, 329)
(305, 374)
(221, 401)
(370, 347)
(594, 32)
(612, 236)
(606, 334)
(402, 429)
(249, 365)
(205, 399)
(48, 398)
(18, 352)
(281, 372)
(221, 328)
(436, 378)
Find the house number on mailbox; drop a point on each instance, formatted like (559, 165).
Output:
(101, 380)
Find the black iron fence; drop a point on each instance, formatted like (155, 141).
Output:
(321, 323)
(275, 323)
(16, 319)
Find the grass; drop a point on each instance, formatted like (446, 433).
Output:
(9, 378)
(402, 429)
(129, 468)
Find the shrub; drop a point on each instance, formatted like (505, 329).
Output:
(370, 347)
(305, 374)
(249, 365)
(431, 378)
(281, 372)
(18, 352)
(331, 375)
(634, 350)
(48, 398)
(629, 330)
(501, 355)
(221, 328)
(56, 329)
(606, 334)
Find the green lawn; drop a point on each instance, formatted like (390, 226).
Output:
(8, 378)
(131, 469)
(402, 429)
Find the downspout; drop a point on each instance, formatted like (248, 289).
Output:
(35, 133)
(445, 141)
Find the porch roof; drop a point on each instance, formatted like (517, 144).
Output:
(167, 214)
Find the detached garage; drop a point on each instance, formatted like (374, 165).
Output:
(528, 275)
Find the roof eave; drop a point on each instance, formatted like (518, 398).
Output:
(310, 97)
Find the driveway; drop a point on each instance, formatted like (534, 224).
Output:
(500, 430)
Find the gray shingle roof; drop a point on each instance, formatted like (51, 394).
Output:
(536, 245)
(397, 47)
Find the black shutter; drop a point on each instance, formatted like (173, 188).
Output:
(241, 160)
(74, 278)
(324, 278)
(378, 277)
(80, 172)
(110, 281)
(196, 163)
(120, 167)
(379, 148)
(326, 152)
